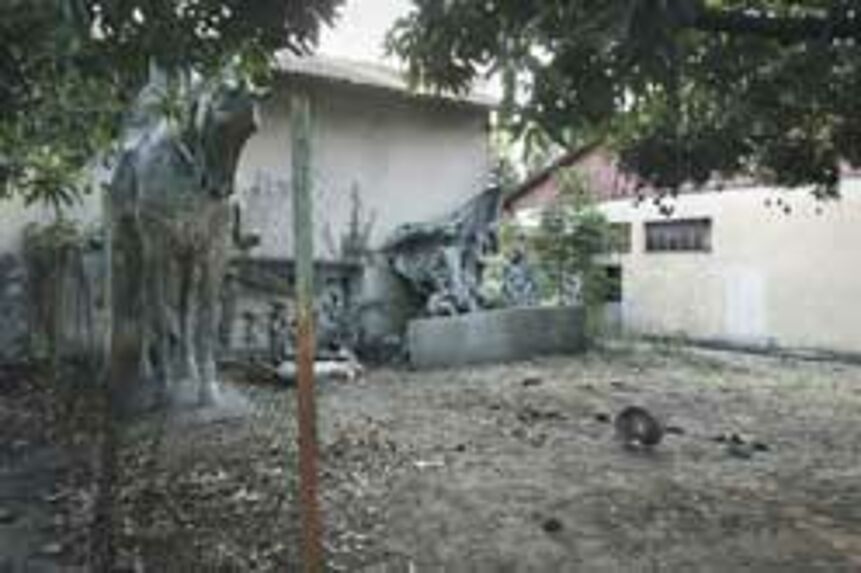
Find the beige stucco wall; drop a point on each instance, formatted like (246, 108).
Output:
(409, 161)
(15, 216)
(793, 280)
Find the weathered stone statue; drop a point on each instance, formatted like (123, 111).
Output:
(519, 287)
(169, 222)
(441, 260)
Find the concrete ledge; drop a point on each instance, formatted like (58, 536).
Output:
(806, 354)
(495, 336)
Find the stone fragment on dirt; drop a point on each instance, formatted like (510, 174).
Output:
(7, 516)
(538, 440)
(602, 417)
(532, 381)
(739, 447)
(429, 464)
(741, 451)
(552, 525)
(638, 428)
(676, 430)
(530, 415)
(621, 386)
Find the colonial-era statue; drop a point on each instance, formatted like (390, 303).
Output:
(519, 287)
(441, 260)
(169, 219)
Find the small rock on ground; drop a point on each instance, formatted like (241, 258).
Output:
(7, 516)
(552, 525)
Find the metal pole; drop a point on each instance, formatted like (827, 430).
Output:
(303, 230)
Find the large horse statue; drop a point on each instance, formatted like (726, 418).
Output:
(169, 216)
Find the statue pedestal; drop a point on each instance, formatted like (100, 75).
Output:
(495, 336)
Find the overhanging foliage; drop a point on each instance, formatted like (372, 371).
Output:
(68, 69)
(685, 89)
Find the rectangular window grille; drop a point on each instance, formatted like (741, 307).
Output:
(613, 288)
(682, 235)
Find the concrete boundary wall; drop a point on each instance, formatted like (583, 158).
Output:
(495, 336)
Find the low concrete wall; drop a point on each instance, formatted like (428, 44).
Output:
(495, 336)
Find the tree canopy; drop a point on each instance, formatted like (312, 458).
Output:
(682, 89)
(68, 68)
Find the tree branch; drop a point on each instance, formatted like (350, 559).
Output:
(839, 26)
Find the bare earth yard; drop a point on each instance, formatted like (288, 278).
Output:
(474, 470)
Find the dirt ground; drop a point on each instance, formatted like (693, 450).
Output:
(475, 470)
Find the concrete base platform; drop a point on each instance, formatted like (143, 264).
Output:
(495, 336)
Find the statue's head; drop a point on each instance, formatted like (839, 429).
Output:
(224, 119)
(227, 110)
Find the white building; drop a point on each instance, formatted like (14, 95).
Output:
(734, 263)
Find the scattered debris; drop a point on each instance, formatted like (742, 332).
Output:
(622, 386)
(255, 371)
(531, 414)
(347, 369)
(7, 516)
(428, 464)
(552, 525)
(742, 451)
(538, 440)
(637, 427)
(739, 447)
(676, 430)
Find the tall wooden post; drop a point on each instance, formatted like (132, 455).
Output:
(303, 230)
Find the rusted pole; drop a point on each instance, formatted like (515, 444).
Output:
(303, 231)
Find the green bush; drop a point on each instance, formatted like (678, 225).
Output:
(571, 234)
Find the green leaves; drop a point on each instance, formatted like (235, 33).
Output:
(68, 69)
(572, 233)
(685, 89)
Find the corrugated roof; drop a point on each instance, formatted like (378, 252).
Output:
(538, 178)
(370, 75)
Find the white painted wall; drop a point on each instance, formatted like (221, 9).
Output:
(771, 278)
(15, 216)
(410, 160)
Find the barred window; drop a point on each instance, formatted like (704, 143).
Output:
(613, 285)
(682, 235)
